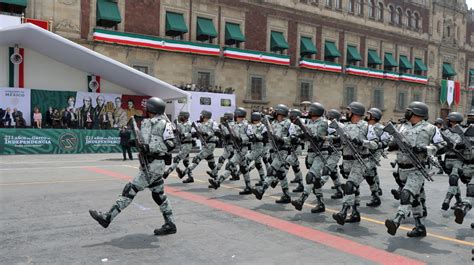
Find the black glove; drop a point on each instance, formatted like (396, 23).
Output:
(279, 141)
(294, 139)
(420, 149)
(392, 146)
(357, 141)
(460, 146)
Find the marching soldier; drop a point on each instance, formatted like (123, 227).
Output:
(258, 146)
(183, 127)
(209, 131)
(424, 139)
(356, 131)
(242, 135)
(439, 123)
(279, 167)
(158, 138)
(336, 154)
(296, 150)
(228, 147)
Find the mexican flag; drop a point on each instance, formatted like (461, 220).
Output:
(450, 91)
(16, 67)
(93, 83)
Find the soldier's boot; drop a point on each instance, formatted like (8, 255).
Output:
(190, 178)
(211, 174)
(298, 204)
(320, 207)
(299, 188)
(214, 183)
(472, 225)
(393, 224)
(167, 229)
(274, 183)
(396, 193)
(285, 198)
(181, 173)
(354, 217)
(103, 219)
(447, 201)
(458, 203)
(259, 191)
(375, 200)
(260, 183)
(340, 217)
(461, 211)
(247, 189)
(419, 230)
(167, 172)
(338, 194)
(235, 175)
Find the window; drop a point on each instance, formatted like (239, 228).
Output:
(306, 89)
(416, 96)
(416, 22)
(409, 19)
(377, 98)
(398, 17)
(203, 79)
(257, 88)
(351, 6)
(349, 95)
(401, 101)
(372, 8)
(380, 11)
(141, 68)
(448, 31)
(328, 3)
(358, 7)
(205, 101)
(438, 27)
(391, 10)
(338, 4)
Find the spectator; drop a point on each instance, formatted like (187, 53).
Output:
(16, 113)
(66, 119)
(56, 119)
(37, 118)
(124, 142)
(49, 117)
(19, 120)
(7, 119)
(2, 122)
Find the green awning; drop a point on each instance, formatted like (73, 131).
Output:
(405, 63)
(471, 72)
(373, 58)
(353, 54)
(419, 65)
(175, 24)
(389, 60)
(307, 46)
(233, 33)
(108, 13)
(22, 3)
(448, 70)
(330, 50)
(277, 41)
(205, 29)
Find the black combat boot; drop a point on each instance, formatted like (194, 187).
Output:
(274, 183)
(190, 179)
(215, 184)
(419, 230)
(103, 219)
(354, 217)
(211, 174)
(235, 176)
(181, 173)
(247, 189)
(396, 193)
(298, 204)
(167, 173)
(340, 217)
(260, 183)
(168, 228)
(458, 203)
(472, 225)
(285, 198)
(461, 211)
(393, 224)
(338, 194)
(299, 188)
(446, 202)
(320, 207)
(259, 191)
(375, 200)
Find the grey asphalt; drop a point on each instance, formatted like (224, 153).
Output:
(44, 219)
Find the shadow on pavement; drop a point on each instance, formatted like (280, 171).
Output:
(417, 245)
(272, 207)
(137, 241)
(351, 229)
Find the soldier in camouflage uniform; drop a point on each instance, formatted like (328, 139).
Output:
(357, 131)
(258, 146)
(228, 147)
(459, 165)
(279, 167)
(377, 134)
(335, 155)
(318, 128)
(210, 132)
(243, 135)
(183, 127)
(296, 150)
(158, 140)
(439, 123)
(425, 140)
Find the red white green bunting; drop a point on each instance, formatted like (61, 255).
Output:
(138, 40)
(367, 72)
(93, 83)
(256, 56)
(391, 76)
(321, 65)
(414, 78)
(16, 69)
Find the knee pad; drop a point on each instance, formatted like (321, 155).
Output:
(176, 159)
(310, 178)
(370, 180)
(158, 197)
(265, 160)
(334, 175)
(464, 178)
(130, 191)
(306, 162)
(186, 163)
(415, 203)
(453, 180)
(243, 170)
(280, 174)
(221, 160)
(318, 183)
(210, 157)
(196, 160)
(296, 168)
(258, 166)
(211, 164)
(349, 188)
(405, 197)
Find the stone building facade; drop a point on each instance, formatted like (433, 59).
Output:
(383, 53)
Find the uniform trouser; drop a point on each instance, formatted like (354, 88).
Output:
(139, 183)
(256, 155)
(278, 171)
(371, 175)
(183, 155)
(294, 162)
(205, 153)
(332, 161)
(317, 175)
(455, 167)
(355, 171)
(267, 156)
(237, 162)
(413, 189)
(226, 155)
(127, 149)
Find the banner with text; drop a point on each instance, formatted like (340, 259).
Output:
(19, 99)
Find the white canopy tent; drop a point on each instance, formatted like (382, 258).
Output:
(65, 51)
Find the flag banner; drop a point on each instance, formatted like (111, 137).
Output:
(450, 92)
(443, 92)
(16, 69)
(19, 99)
(457, 92)
(93, 83)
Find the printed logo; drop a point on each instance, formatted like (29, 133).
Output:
(68, 141)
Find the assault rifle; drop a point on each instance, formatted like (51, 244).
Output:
(271, 138)
(140, 145)
(347, 141)
(199, 134)
(453, 144)
(233, 138)
(406, 148)
(457, 129)
(308, 136)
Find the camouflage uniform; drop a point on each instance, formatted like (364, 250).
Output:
(293, 158)
(228, 150)
(184, 129)
(258, 150)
